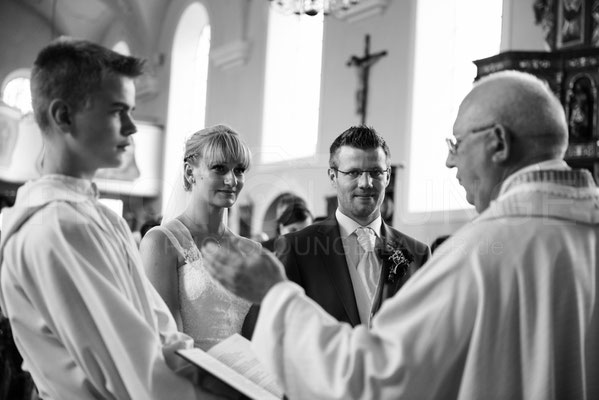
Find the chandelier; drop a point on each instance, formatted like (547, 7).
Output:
(313, 7)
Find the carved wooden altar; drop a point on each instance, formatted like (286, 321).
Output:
(573, 75)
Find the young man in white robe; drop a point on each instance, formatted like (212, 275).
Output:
(85, 318)
(507, 307)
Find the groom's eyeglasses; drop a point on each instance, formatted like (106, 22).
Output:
(378, 174)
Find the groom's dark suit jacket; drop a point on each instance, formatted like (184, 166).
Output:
(315, 259)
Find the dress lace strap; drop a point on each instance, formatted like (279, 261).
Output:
(181, 238)
(172, 238)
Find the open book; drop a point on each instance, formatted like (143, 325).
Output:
(233, 362)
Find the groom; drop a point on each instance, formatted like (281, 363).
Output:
(327, 258)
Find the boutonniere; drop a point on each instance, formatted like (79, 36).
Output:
(398, 259)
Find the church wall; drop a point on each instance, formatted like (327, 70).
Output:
(389, 77)
(236, 93)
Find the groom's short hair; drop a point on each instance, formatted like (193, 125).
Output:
(360, 137)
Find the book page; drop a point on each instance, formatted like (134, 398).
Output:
(236, 352)
(226, 374)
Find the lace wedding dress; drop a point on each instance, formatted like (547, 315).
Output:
(209, 312)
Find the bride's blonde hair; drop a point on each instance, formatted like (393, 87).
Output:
(214, 145)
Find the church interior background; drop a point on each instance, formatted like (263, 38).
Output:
(289, 85)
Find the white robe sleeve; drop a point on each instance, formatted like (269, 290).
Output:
(88, 317)
(416, 338)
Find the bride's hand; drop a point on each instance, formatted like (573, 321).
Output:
(247, 271)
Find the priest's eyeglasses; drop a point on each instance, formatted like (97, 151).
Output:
(453, 143)
(378, 174)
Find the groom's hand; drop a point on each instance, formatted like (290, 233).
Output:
(247, 272)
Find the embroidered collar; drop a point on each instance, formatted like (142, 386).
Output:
(569, 177)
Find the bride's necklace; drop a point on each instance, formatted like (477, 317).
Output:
(209, 237)
(219, 239)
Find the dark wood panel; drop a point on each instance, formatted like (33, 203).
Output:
(573, 75)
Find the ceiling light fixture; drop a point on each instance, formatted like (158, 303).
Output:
(313, 7)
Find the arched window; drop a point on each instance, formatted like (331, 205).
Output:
(188, 84)
(292, 87)
(16, 91)
(449, 36)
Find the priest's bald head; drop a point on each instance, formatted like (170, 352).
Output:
(508, 121)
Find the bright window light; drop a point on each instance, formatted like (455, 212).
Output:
(292, 88)
(17, 93)
(449, 36)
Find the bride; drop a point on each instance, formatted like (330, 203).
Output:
(214, 167)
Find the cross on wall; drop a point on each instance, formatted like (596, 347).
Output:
(363, 65)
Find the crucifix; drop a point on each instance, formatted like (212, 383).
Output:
(363, 64)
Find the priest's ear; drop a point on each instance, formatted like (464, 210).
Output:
(500, 145)
(60, 114)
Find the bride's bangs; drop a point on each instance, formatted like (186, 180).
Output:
(226, 148)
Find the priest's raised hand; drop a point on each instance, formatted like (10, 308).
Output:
(244, 270)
